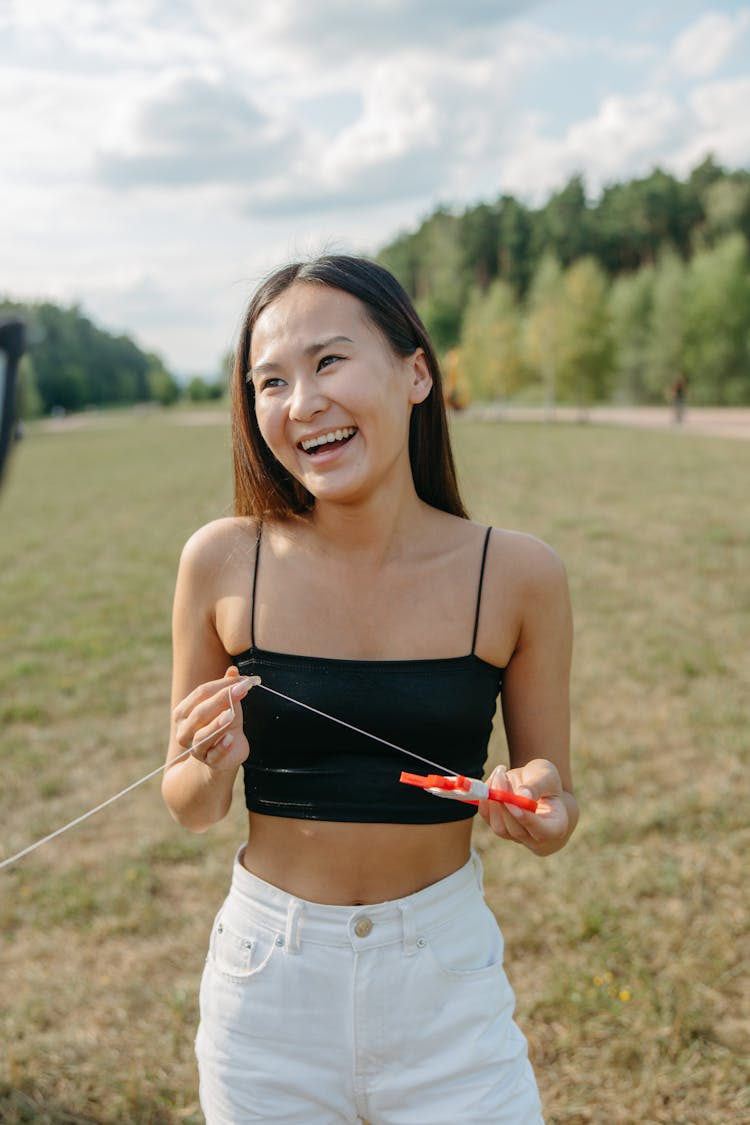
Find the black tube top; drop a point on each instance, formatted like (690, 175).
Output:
(302, 765)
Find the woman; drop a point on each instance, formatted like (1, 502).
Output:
(354, 970)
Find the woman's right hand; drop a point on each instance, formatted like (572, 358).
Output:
(208, 722)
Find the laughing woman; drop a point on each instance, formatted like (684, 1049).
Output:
(354, 970)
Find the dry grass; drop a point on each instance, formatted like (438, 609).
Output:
(626, 949)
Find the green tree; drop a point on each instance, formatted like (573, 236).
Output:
(441, 282)
(77, 364)
(201, 390)
(664, 353)
(586, 352)
(514, 249)
(30, 403)
(703, 175)
(491, 342)
(717, 324)
(727, 205)
(401, 257)
(543, 326)
(479, 242)
(563, 226)
(635, 220)
(630, 304)
(162, 387)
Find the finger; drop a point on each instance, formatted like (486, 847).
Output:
(206, 738)
(498, 779)
(231, 716)
(208, 690)
(505, 825)
(199, 721)
(490, 810)
(501, 816)
(205, 720)
(518, 813)
(213, 754)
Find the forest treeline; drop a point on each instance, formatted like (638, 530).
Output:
(582, 302)
(575, 301)
(71, 364)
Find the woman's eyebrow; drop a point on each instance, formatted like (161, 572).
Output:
(309, 349)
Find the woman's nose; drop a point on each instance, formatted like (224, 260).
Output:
(306, 400)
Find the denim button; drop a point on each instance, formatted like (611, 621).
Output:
(363, 927)
(279, 940)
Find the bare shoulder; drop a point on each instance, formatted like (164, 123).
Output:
(530, 564)
(210, 547)
(524, 588)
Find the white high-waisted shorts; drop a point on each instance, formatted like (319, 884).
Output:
(398, 1013)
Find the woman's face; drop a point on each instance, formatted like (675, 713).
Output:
(332, 399)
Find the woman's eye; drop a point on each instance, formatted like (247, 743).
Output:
(271, 382)
(327, 360)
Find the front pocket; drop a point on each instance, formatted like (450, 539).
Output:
(467, 948)
(239, 956)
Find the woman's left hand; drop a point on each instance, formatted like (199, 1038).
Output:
(542, 832)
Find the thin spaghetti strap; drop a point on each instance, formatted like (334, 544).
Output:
(479, 591)
(255, 583)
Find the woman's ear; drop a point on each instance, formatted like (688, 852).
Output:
(421, 379)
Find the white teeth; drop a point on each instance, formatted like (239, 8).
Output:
(324, 439)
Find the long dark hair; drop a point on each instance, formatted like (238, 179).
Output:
(262, 486)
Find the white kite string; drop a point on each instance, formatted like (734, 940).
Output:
(160, 769)
(128, 789)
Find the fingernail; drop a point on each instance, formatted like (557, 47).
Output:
(243, 686)
(225, 717)
(515, 811)
(227, 740)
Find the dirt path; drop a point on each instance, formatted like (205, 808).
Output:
(731, 422)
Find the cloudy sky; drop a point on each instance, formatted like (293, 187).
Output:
(159, 156)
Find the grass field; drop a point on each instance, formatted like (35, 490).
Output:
(628, 950)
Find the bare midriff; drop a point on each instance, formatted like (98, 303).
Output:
(343, 864)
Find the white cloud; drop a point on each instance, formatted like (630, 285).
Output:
(333, 32)
(423, 121)
(193, 128)
(703, 47)
(626, 135)
(720, 125)
(48, 123)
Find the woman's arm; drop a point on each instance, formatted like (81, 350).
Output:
(198, 788)
(536, 705)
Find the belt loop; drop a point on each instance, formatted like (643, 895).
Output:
(478, 869)
(291, 937)
(409, 928)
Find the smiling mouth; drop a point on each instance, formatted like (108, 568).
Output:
(333, 439)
